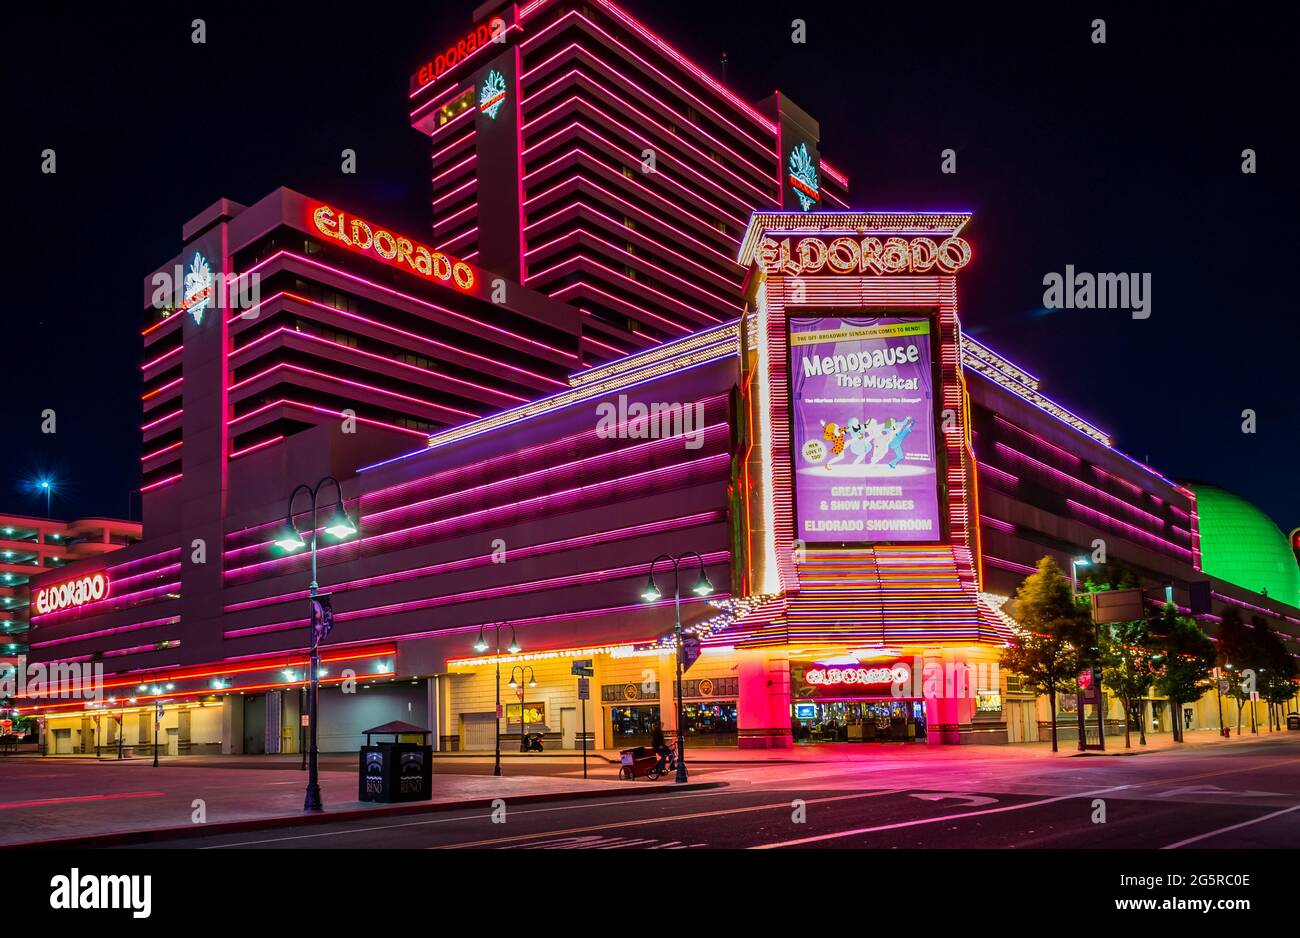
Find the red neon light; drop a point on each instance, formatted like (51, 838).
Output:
(480, 37)
(358, 235)
(826, 677)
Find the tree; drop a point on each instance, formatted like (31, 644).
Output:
(1050, 632)
(1241, 655)
(1184, 661)
(1278, 681)
(1127, 669)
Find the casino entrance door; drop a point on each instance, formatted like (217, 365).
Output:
(900, 720)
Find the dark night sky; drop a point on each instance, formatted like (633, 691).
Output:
(1123, 157)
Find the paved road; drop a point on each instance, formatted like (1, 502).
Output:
(1242, 795)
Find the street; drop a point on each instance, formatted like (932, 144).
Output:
(1243, 794)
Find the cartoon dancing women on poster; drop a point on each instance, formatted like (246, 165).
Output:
(872, 437)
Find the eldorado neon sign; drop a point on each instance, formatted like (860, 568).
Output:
(825, 677)
(847, 255)
(491, 31)
(71, 593)
(359, 235)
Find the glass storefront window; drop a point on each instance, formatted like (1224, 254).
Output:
(632, 726)
(852, 721)
(711, 722)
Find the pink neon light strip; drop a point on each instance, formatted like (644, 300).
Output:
(577, 75)
(347, 349)
(285, 402)
(161, 482)
(580, 127)
(401, 332)
(711, 559)
(285, 366)
(467, 563)
(639, 213)
(478, 326)
(256, 446)
(576, 103)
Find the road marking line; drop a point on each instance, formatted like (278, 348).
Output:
(1233, 827)
(932, 820)
(475, 817)
(662, 820)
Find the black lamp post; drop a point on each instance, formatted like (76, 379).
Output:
(526, 676)
(481, 646)
(339, 527)
(651, 594)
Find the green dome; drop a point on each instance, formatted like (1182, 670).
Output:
(1240, 544)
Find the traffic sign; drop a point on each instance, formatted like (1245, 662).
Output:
(584, 688)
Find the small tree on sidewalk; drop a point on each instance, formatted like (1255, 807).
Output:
(1185, 659)
(1049, 634)
(1240, 656)
(1127, 670)
(1278, 681)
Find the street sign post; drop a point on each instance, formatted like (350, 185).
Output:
(584, 670)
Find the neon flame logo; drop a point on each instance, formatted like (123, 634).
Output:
(198, 288)
(803, 177)
(493, 93)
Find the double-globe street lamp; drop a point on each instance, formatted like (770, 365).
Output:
(290, 539)
(651, 594)
(482, 646)
(527, 677)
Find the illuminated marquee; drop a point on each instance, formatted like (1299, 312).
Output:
(72, 593)
(493, 30)
(853, 256)
(359, 235)
(827, 677)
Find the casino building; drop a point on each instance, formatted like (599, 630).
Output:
(579, 372)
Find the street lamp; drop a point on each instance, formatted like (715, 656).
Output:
(290, 539)
(652, 594)
(525, 671)
(482, 646)
(1075, 564)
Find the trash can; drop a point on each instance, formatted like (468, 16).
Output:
(396, 771)
(1293, 721)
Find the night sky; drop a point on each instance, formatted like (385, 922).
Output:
(1122, 157)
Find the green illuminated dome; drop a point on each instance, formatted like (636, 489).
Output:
(1240, 544)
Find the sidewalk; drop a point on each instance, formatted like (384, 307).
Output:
(61, 798)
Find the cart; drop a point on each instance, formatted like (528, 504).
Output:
(638, 762)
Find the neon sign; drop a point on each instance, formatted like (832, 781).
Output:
(198, 288)
(849, 256)
(824, 677)
(72, 593)
(359, 235)
(493, 93)
(803, 177)
(491, 31)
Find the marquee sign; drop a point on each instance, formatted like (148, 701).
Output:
(830, 677)
(357, 234)
(71, 593)
(855, 256)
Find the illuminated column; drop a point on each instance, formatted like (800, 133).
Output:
(666, 678)
(763, 710)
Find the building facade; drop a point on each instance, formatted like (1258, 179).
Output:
(591, 363)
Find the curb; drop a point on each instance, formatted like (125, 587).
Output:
(129, 838)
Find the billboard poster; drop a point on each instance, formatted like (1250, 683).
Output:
(862, 417)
